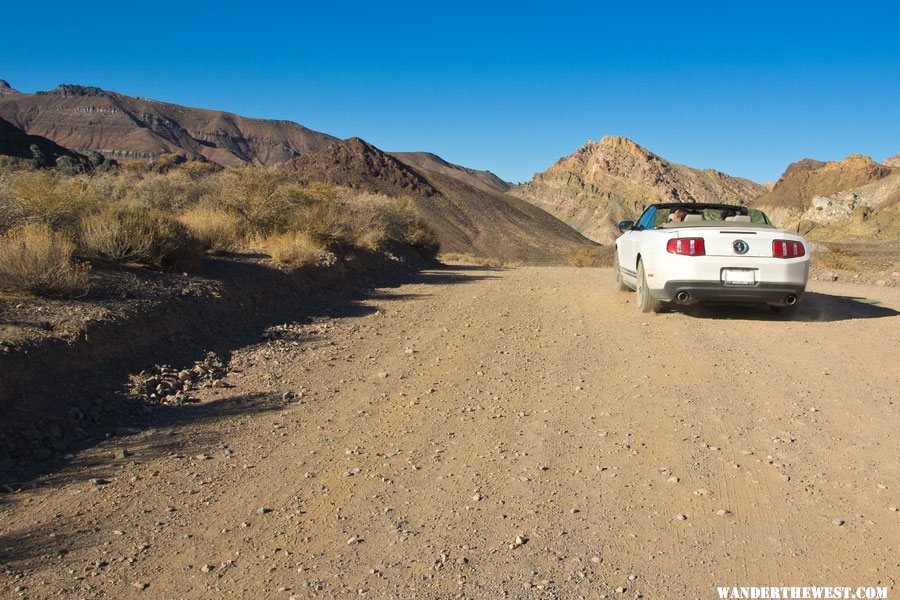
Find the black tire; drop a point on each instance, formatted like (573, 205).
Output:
(645, 302)
(620, 283)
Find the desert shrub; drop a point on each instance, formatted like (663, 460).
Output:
(127, 232)
(293, 249)
(326, 223)
(217, 229)
(376, 220)
(55, 199)
(197, 169)
(172, 190)
(837, 258)
(591, 257)
(263, 198)
(38, 260)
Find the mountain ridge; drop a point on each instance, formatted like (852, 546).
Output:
(85, 118)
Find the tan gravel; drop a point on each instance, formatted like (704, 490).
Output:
(486, 432)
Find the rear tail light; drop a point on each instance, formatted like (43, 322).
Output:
(686, 246)
(787, 249)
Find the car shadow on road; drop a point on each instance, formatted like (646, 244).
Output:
(815, 307)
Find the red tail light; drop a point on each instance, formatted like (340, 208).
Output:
(787, 249)
(686, 246)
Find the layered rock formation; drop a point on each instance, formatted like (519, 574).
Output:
(614, 179)
(88, 118)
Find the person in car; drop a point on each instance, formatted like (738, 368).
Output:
(677, 215)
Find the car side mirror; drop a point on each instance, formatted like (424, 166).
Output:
(625, 225)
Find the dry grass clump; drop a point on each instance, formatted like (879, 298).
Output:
(37, 260)
(218, 230)
(53, 198)
(132, 233)
(293, 249)
(591, 257)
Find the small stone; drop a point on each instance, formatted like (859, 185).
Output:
(672, 479)
(462, 560)
(701, 492)
(621, 590)
(723, 512)
(477, 497)
(681, 517)
(838, 522)
(632, 577)
(140, 585)
(121, 453)
(596, 560)
(98, 481)
(354, 540)
(207, 568)
(263, 510)
(382, 375)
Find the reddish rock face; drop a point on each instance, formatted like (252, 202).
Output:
(119, 126)
(806, 179)
(892, 161)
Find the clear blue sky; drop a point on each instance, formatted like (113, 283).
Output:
(745, 88)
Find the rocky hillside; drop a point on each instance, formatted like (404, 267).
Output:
(892, 161)
(124, 127)
(613, 179)
(426, 161)
(467, 219)
(852, 199)
(806, 179)
(39, 151)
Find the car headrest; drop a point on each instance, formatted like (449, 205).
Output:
(741, 218)
(693, 218)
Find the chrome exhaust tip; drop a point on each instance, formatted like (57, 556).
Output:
(683, 297)
(791, 300)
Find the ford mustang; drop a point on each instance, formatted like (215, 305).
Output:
(690, 252)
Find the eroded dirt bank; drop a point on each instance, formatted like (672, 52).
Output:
(484, 433)
(62, 363)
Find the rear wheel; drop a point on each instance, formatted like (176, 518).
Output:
(620, 283)
(645, 302)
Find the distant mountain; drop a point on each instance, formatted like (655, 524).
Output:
(614, 179)
(40, 151)
(854, 198)
(426, 161)
(892, 161)
(468, 219)
(119, 126)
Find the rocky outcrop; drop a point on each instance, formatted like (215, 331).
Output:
(6, 89)
(614, 179)
(39, 152)
(807, 179)
(892, 161)
(89, 118)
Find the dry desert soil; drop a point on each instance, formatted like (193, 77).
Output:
(490, 433)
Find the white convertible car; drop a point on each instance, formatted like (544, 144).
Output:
(690, 252)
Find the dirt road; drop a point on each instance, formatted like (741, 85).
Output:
(486, 433)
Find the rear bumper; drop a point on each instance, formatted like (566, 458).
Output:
(713, 291)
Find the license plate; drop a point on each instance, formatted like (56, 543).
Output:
(738, 276)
